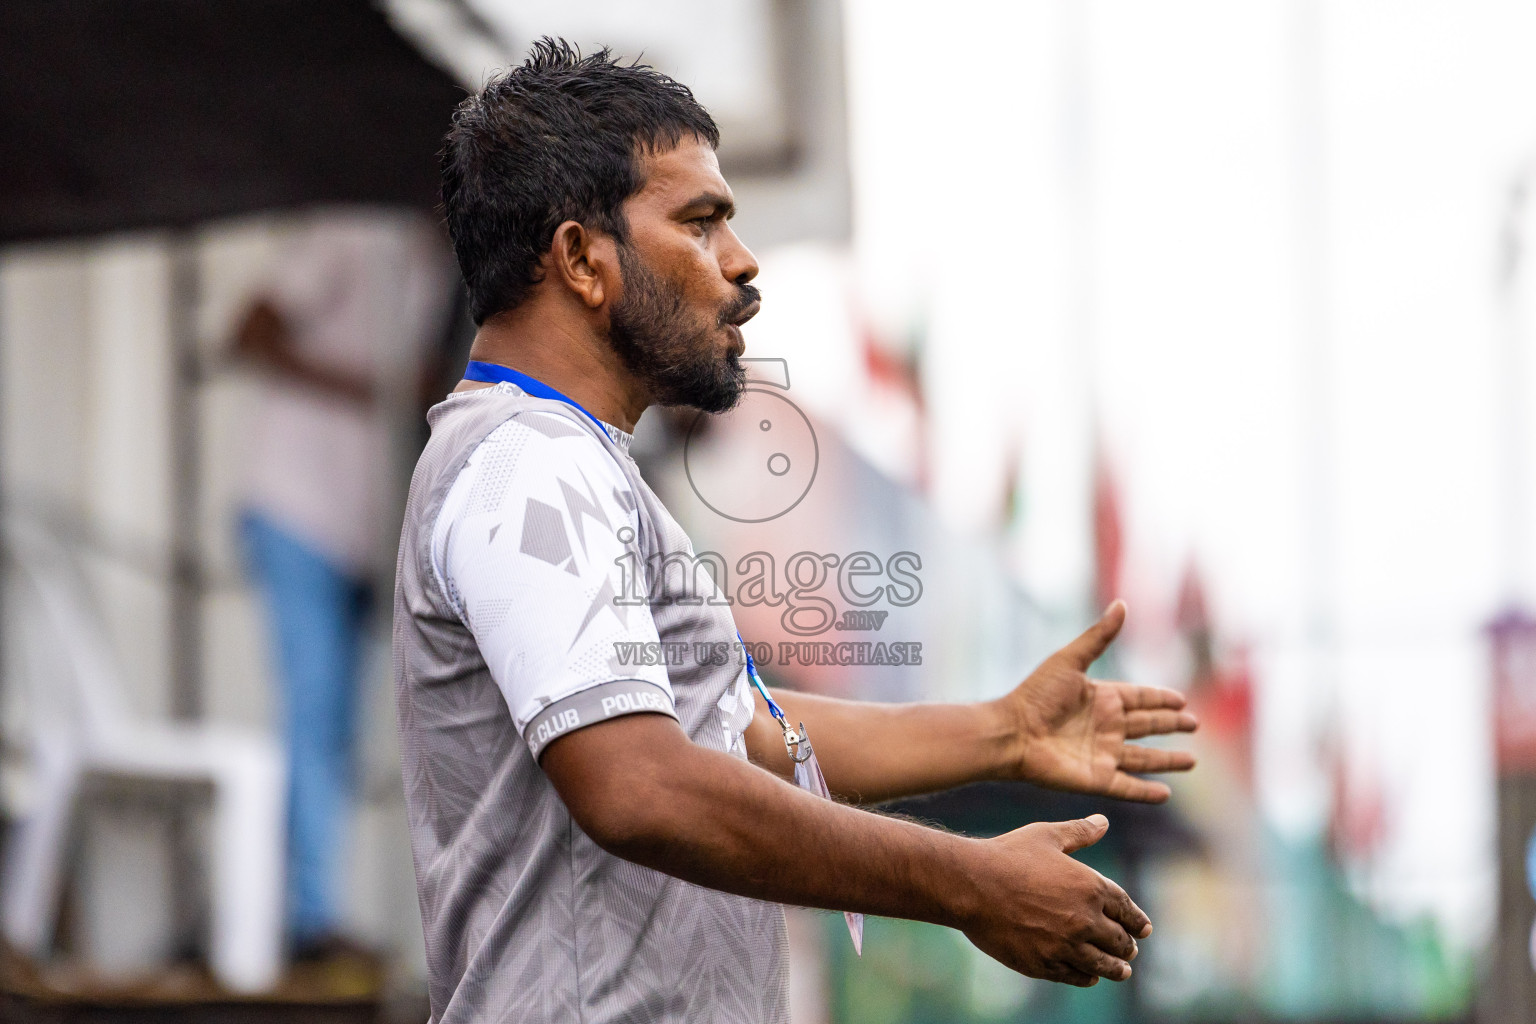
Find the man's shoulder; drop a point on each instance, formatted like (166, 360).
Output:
(515, 446)
(501, 422)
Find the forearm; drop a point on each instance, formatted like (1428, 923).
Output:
(875, 752)
(263, 338)
(719, 822)
(338, 383)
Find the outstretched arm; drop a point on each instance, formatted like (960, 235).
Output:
(643, 791)
(1057, 729)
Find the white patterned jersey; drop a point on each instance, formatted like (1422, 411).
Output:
(542, 587)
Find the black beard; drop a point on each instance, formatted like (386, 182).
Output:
(668, 347)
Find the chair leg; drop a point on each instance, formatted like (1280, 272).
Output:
(35, 861)
(247, 868)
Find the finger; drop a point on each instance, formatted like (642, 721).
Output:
(1118, 906)
(1148, 698)
(1097, 962)
(1085, 650)
(1112, 938)
(1072, 836)
(1142, 791)
(1134, 758)
(1072, 976)
(1158, 723)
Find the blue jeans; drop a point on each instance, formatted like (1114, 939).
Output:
(316, 613)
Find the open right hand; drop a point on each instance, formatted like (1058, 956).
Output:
(1048, 916)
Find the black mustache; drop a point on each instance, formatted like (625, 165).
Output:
(748, 294)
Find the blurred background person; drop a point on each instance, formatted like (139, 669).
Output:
(356, 296)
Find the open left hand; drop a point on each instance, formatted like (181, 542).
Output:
(1072, 730)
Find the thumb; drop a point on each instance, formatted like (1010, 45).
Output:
(1074, 835)
(1085, 650)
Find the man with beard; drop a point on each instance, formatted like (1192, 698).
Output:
(598, 839)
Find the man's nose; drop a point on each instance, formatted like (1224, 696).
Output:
(737, 262)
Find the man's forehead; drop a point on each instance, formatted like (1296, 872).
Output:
(682, 172)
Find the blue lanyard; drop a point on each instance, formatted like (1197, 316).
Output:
(757, 681)
(794, 741)
(495, 373)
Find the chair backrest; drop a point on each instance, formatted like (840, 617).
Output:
(68, 667)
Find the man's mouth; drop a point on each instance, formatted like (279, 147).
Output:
(745, 314)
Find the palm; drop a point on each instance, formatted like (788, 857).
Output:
(1073, 730)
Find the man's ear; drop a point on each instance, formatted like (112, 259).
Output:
(585, 262)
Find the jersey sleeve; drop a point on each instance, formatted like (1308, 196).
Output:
(536, 548)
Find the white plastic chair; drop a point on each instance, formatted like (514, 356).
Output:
(81, 727)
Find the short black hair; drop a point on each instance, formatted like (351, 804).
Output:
(556, 138)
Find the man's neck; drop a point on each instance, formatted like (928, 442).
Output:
(567, 357)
